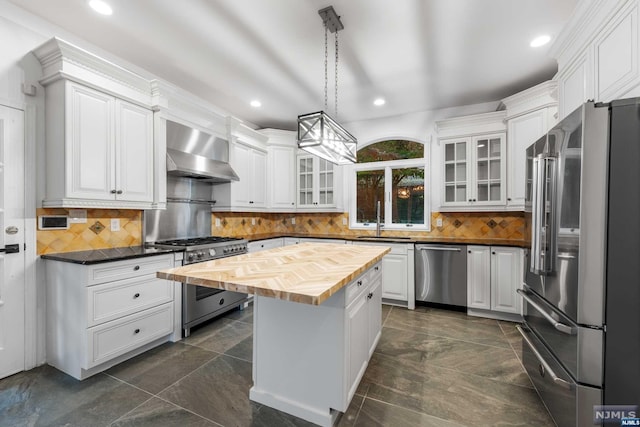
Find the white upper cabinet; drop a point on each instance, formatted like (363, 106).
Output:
(530, 114)
(248, 157)
(316, 182)
(473, 162)
(597, 54)
(281, 170)
(99, 151)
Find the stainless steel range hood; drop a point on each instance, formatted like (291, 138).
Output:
(196, 154)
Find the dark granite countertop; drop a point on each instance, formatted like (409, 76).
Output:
(395, 239)
(98, 256)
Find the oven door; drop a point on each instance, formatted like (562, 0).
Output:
(578, 348)
(200, 303)
(569, 403)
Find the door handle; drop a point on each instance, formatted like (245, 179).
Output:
(556, 379)
(436, 248)
(11, 249)
(566, 329)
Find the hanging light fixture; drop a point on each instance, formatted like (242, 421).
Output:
(318, 133)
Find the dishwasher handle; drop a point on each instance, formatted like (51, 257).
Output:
(437, 248)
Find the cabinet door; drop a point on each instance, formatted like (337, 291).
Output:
(134, 152)
(489, 170)
(282, 185)
(456, 172)
(325, 195)
(242, 166)
(394, 277)
(305, 181)
(506, 277)
(523, 131)
(90, 139)
(478, 277)
(357, 341)
(375, 313)
(258, 179)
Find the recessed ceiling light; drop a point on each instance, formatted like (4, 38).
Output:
(101, 7)
(379, 102)
(540, 41)
(255, 103)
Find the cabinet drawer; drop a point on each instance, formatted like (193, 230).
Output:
(356, 288)
(126, 269)
(110, 301)
(112, 339)
(375, 272)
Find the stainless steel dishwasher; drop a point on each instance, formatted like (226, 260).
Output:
(441, 274)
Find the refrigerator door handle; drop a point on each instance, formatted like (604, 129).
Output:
(566, 329)
(556, 379)
(543, 214)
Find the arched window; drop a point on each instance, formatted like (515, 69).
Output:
(393, 173)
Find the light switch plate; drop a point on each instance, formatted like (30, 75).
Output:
(253, 221)
(293, 221)
(217, 222)
(344, 221)
(439, 222)
(115, 224)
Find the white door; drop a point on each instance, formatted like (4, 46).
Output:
(478, 277)
(12, 265)
(506, 277)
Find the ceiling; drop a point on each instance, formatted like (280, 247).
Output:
(417, 54)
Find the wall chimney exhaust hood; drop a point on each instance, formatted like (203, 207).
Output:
(196, 154)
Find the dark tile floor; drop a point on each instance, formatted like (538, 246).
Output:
(431, 368)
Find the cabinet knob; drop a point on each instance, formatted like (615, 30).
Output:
(508, 199)
(221, 301)
(370, 295)
(376, 268)
(136, 268)
(136, 295)
(292, 203)
(359, 282)
(119, 192)
(137, 331)
(493, 253)
(469, 251)
(470, 200)
(113, 191)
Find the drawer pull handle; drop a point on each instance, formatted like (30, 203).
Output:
(565, 329)
(359, 282)
(544, 366)
(136, 268)
(137, 331)
(136, 295)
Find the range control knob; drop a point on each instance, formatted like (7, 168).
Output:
(190, 257)
(200, 255)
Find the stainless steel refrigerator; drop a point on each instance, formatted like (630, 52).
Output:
(581, 292)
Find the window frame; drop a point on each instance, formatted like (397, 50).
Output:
(387, 166)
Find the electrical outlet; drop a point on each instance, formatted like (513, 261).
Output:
(293, 221)
(439, 222)
(253, 221)
(344, 221)
(217, 222)
(115, 224)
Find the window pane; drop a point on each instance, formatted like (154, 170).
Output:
(461, 151)
(450, 193)
(407, 196)
(449, 152)
(370, 190)
(483, 192)
(494, 191)
(482, 148)
(450, 173)
(461, 193)
(461, 172)
(494, 165)
(482, 170)
(495, 147)
(391, 150)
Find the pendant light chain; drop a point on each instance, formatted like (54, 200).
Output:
(326, 60)
(336, 112)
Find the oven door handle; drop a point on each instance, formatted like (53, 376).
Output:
(565, 329)
(556, 379)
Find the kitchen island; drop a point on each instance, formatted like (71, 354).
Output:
(317, 320)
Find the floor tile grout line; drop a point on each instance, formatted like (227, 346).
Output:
(453, 338)
(189, 410)
(128, 412)
(412, 410)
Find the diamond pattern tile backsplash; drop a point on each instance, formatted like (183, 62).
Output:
(79, 237)
(94, 234)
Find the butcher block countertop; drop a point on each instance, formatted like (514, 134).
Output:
(307, 273)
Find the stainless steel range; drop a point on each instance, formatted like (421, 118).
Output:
(195, 162)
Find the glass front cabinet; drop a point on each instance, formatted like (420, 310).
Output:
(315, 182)
(474, 171)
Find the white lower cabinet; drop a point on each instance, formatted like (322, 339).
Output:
(494, 273)
(398, 277)
(101, 314)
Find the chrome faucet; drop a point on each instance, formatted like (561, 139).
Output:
(378, 219)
